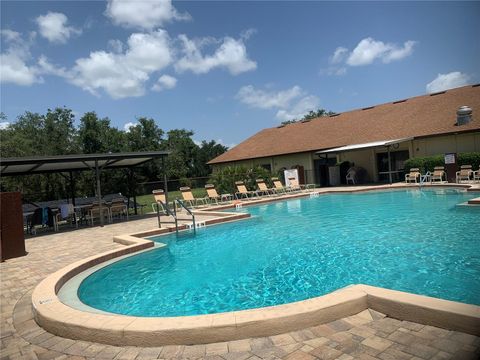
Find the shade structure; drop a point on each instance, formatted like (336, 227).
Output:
(80, 162)
(364, 146)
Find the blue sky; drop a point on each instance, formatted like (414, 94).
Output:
(228, 69)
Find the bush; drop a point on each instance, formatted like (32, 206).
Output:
(224, 178)
(429, 162)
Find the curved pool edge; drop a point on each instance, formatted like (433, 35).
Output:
(60, 319)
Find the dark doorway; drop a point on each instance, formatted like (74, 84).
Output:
(321, 170)
(397, 159)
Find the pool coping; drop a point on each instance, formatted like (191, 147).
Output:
(60, 319)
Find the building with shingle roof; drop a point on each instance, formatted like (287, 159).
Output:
(414, 127)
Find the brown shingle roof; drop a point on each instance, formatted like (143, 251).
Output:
(416, 117)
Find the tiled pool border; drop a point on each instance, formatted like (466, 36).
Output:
(60, 319)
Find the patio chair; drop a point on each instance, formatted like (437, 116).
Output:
(351, 176)
(464, 174)
(264, 189)
(413, 175)
(294, 185)
(190, 199)
(476, 175)
(438, 174)
(214, 197)
(243, 192)
(118, 207)
(279, 188)
(67, 214)
(94, 212)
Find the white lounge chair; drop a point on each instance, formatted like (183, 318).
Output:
(464, 174)
(413, 175)
(438, 174)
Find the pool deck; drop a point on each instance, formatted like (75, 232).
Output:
(367, 335)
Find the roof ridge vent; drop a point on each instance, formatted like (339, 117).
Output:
(305, 120)
(368, 108)
(476, 85)
(464, 115)
(399, 101)
(438, 93)
(336, 114)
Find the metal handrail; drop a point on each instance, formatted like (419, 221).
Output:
(425, 178)
(190, 212)
(169, 212)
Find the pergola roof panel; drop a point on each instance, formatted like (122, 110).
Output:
(80, 162)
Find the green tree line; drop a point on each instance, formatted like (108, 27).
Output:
(55, 133)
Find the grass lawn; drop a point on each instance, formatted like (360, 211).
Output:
(172, 195)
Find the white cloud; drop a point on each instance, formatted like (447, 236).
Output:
(262, 99)
(53, 27)
(143, 14)
(128, 125)
(368, 50)
(338, 55)
(231, 54)
(292, 103)
(115, 46)
(125, 74)
(15, 61)
(164, 82)
(301, 108)
(447, 81)
(4, 125)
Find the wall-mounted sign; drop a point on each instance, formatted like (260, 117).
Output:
(450, 158)
(290, 173)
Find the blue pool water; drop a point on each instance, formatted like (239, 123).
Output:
(415, 241)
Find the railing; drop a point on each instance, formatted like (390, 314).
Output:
(169, 212)
(425, 178)
(181, 203)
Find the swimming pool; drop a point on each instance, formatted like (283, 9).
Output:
(415, 241)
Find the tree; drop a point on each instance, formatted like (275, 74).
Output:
(312, 114)
(59, 133)
(206, 152)
(183, 150)
(97, 136)
(145, 136)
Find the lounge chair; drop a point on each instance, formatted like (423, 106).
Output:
(279, 188)
(160, 200)
(438, 174)
(476, 175)
(264, 189)
(294, 185)
(214, 197)
(242, 191)
(413, 175)
(190, 199)
(464, 174)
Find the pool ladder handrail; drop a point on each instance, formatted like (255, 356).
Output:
(182, 204)
(169, 212)
(425, 178)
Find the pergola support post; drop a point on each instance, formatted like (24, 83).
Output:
(99, 192)
(165, 184)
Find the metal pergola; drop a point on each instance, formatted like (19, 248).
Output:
(81, 162)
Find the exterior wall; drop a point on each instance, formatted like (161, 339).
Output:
(363, 158)
(439, 145)
(367, 158)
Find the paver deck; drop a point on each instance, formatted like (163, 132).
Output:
(367, 335)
